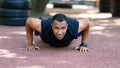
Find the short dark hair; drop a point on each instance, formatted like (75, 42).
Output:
(59, 17)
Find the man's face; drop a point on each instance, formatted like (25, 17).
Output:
(59, 29)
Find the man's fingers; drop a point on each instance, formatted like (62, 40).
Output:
(33, 49)
(36, 47)
(30, 49)
(77, 48)
(84, 49)
(87, 50)
(81, 49)
(26, 48)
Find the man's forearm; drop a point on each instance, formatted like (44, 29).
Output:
(29, 32)
(85, 34)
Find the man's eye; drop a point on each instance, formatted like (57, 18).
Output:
(56, 27)
(63, 27)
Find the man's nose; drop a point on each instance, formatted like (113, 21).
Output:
(59, 31)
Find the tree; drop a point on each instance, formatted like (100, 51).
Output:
(115, 8)
(105, 6)
(38, 6)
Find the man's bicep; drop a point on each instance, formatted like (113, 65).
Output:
(83, 23)
(79, 26)
(36, 24)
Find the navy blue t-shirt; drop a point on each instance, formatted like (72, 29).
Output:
(48, 36)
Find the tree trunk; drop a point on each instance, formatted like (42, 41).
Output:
(115, 8)
(39, 6)
(105, 6)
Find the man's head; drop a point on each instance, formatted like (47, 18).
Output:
(59, 26)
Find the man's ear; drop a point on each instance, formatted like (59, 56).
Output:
(51, 24)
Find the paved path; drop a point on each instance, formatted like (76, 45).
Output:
(103, 40)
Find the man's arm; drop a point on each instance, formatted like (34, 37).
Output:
(32, 24)
(84, 29)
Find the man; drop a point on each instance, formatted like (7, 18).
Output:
(57, 31)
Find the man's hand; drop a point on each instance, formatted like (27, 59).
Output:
(82, 49)
(32, 48)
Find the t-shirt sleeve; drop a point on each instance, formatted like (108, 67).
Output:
(73, 27)
(46, 27)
